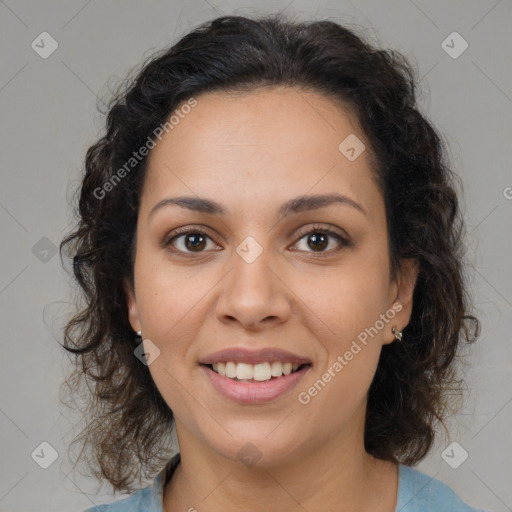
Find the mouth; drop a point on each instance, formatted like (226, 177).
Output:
(262, 372)
(251, 390)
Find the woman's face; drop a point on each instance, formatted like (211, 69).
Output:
(251, 279)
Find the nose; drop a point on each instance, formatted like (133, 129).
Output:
(253, 295)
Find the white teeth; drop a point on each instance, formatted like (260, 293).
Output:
(260, 372)
(231, 370)
(244, 371)
(277, 369)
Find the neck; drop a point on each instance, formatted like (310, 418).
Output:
(336, 475)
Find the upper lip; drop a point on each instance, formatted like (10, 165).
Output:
(243, 355)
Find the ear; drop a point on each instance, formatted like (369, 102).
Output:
(131, 302)
(401, 295)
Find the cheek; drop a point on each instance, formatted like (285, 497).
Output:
(345, 323)
(169, 296)
(343, 302)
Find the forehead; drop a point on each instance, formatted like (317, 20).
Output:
(279, 141)
(274, 118)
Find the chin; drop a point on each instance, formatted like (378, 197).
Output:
(258, 451)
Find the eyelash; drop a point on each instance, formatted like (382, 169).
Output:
(314, 229)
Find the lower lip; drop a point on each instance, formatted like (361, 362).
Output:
(254, 392)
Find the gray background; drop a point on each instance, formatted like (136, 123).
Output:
(49, 118)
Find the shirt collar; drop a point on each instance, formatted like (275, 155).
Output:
(161, 479)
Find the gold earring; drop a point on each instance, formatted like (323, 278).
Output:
(398, 334)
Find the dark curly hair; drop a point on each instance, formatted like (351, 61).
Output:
(128, 422)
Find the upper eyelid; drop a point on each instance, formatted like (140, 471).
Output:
(301, 231)
(332, 231)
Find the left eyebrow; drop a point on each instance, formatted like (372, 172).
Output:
(293, 206)
(315, 202)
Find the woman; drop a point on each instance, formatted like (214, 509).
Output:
(270, 248)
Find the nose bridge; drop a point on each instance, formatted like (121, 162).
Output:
(252, 292)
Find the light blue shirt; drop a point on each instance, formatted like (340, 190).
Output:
(417, 492)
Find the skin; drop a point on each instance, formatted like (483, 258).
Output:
(251, 153)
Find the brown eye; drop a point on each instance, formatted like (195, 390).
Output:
(318, 240)
(194, 241)
(318, 237)
(188, 241)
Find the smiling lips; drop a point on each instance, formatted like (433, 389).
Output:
(259, 365)
(252, 377)
(259, 372)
